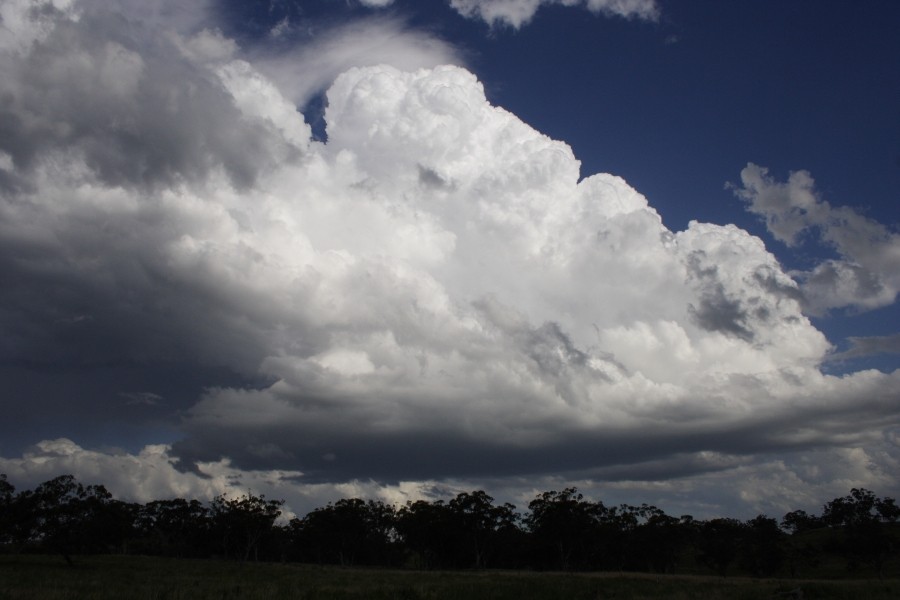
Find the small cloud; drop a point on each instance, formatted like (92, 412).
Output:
(6, 161)
(307, 70)
(76, 319)
(269, 451)
(870, 346)
(516, 13)
(867, 274)
(141, 398)
(280, 28)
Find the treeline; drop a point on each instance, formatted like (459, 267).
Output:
(562, 530)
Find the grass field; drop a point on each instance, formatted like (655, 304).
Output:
(125, 577)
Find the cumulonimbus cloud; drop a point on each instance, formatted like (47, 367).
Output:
(433, 293)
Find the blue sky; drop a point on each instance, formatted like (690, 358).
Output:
(401, 249)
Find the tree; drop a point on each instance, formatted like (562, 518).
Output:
(798, 521)
(762, 551)
(175, 527)
(655, 541)
(7, 496)
(566, 529)
(242, 523)
(719, 541)
(862, 519)
(428, 530)
(799, 551)
(68, 518)
(112, 526)
(481, 524)
(348, 532)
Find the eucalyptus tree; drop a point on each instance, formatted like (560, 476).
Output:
(566, 529)
(719, 542)
(7, 496)
(68, 518)
(348, 532)
(865, 525)
(655, 541)
(802, 550)
(763, 550)
(243, 523)
(483, 527)
(429, 533)
(175, 527)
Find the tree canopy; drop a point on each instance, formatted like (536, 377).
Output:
(561, 530)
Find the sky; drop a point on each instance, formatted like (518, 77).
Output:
(402, 249)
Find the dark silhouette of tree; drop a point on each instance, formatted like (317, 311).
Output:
(348, 532)
(7, 497)
(113, 526)
(655, 540)
(21, 518)
(566, 529)
(562, 530)
(429, 532)
(242, 523)
(798, 521)
(176, 527)
(719, 541)
(762, 551)
(862, 519)
(469, 531)
(67, 517)
(799, 551)
(481, 526)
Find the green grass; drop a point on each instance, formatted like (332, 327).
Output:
(145, 578)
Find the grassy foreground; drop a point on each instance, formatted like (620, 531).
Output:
(127, 577)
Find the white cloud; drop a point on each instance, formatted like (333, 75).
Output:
(869, 346)
(516, 13)
(150, 475)
(140, 477)
(303, 71)
(867, 274)
(376, 3)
